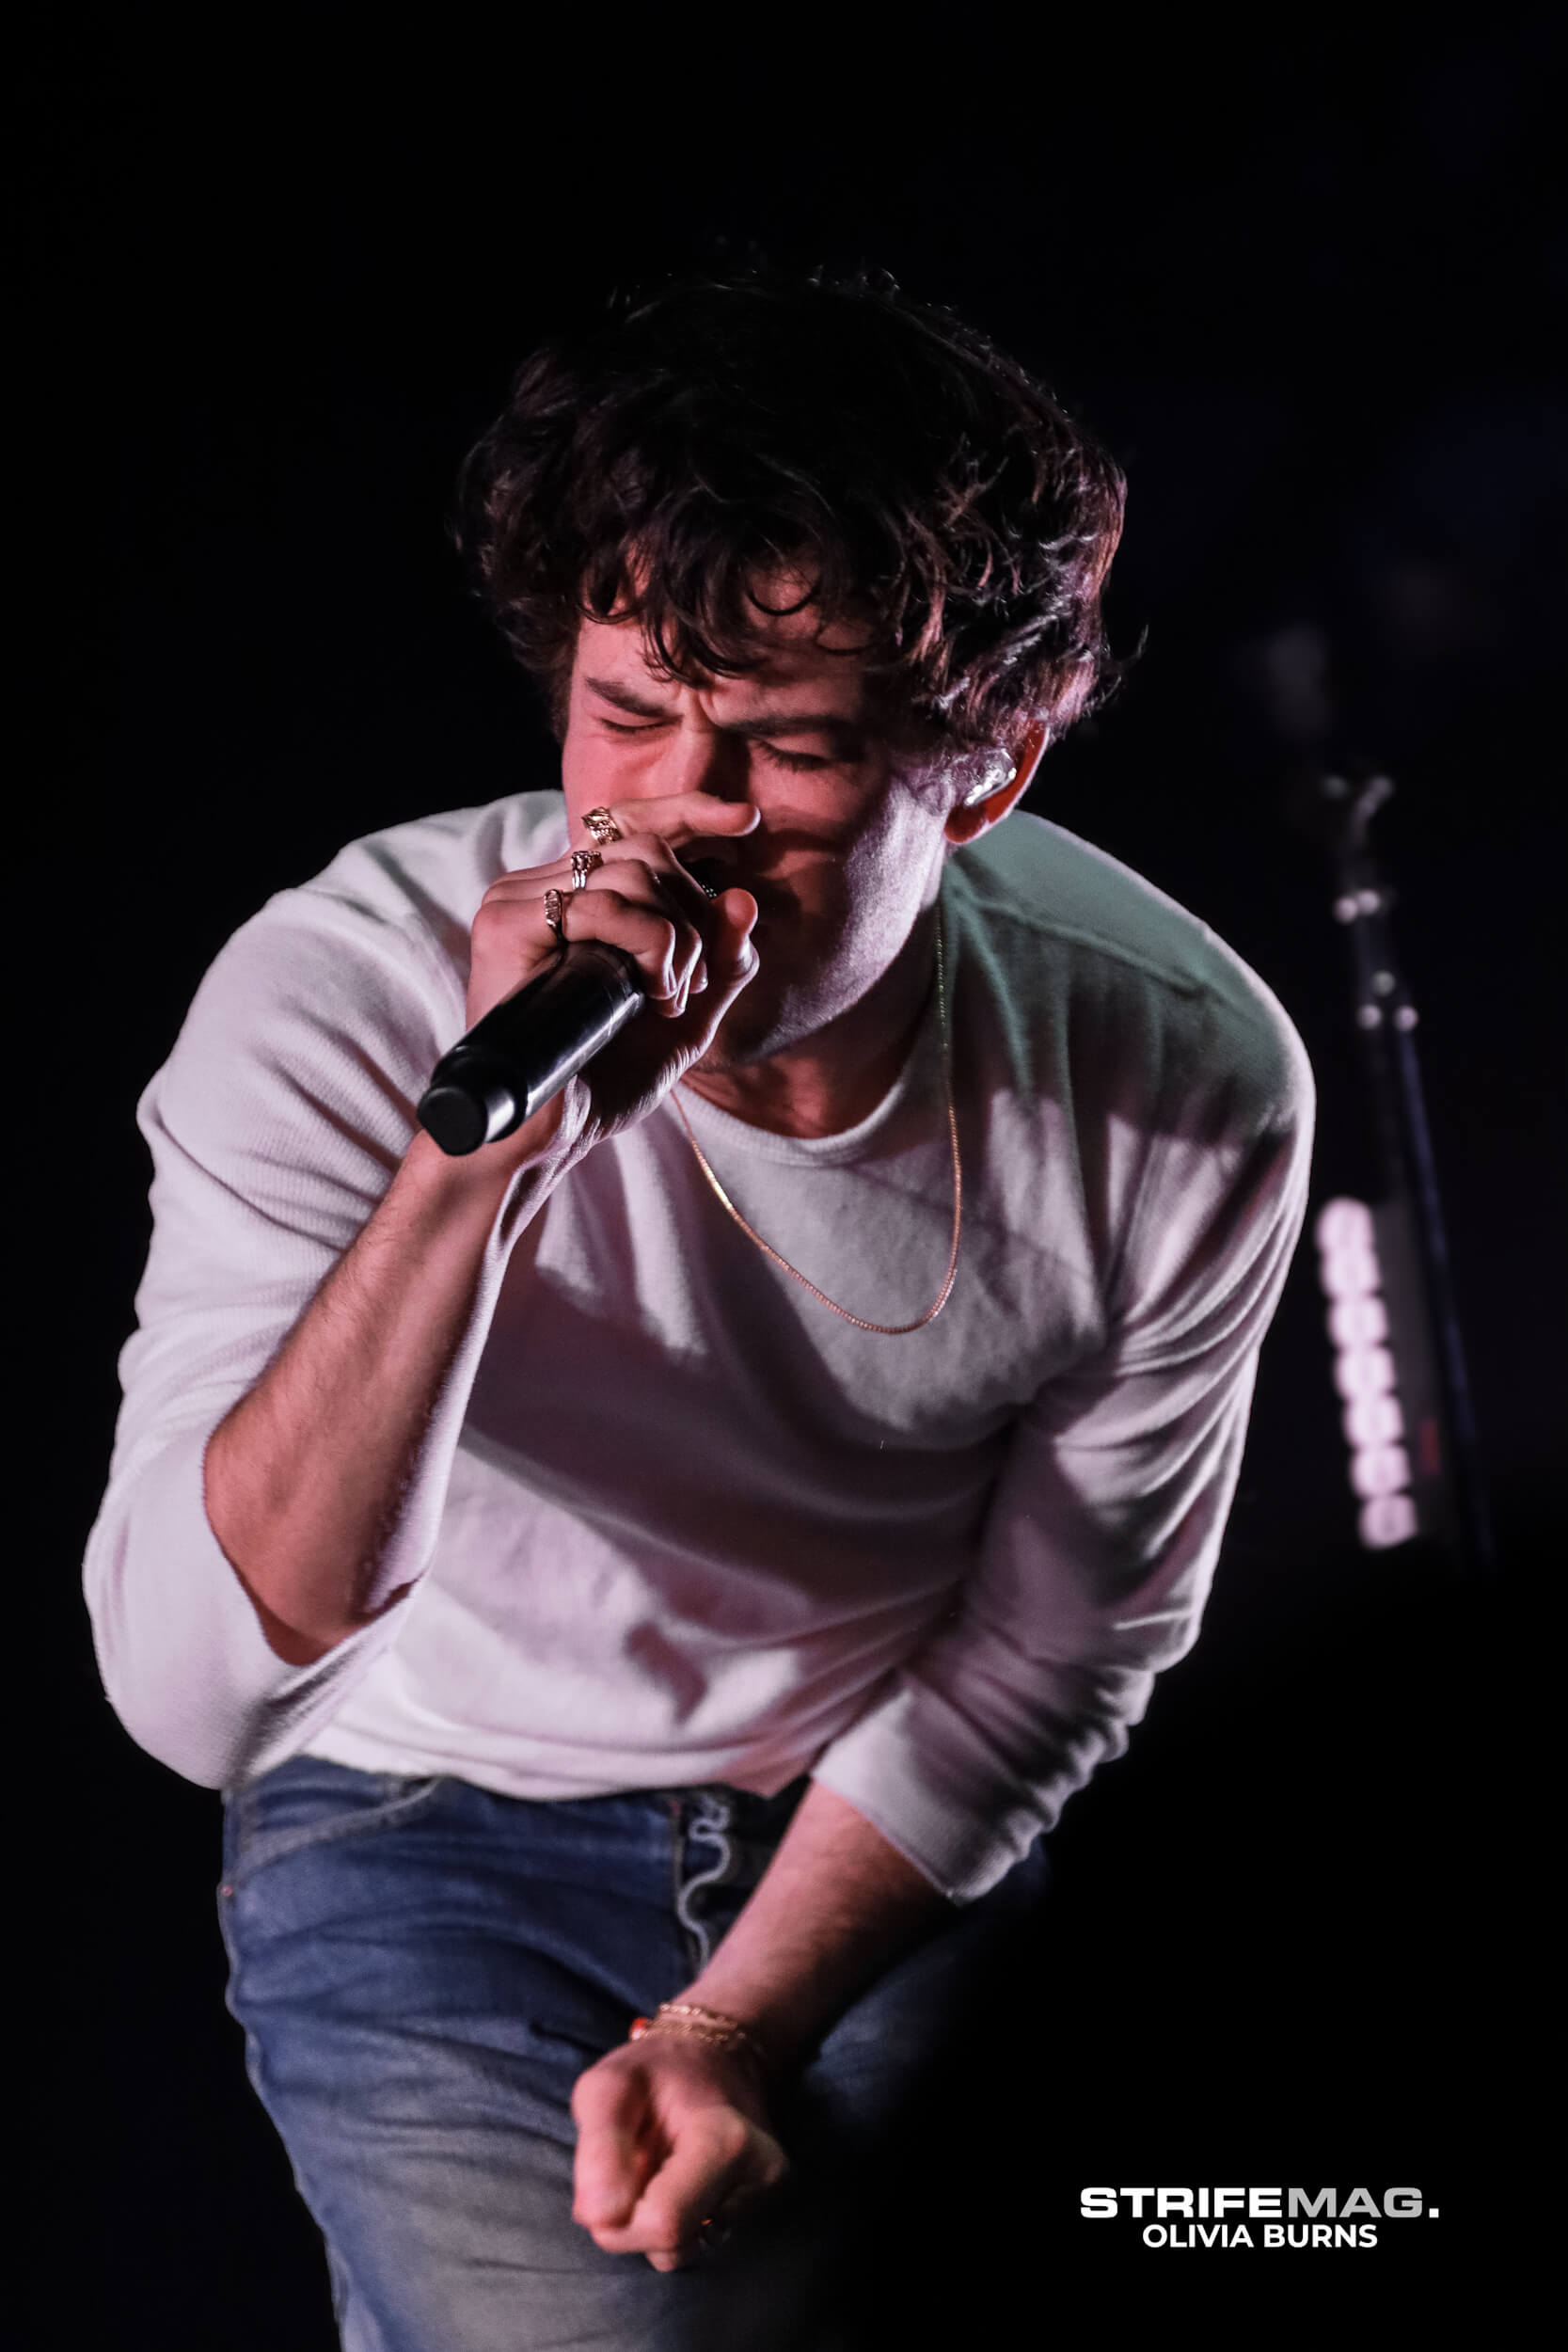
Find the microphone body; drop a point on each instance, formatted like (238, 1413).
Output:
(524, 1049)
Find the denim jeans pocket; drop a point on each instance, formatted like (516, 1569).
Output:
(308, 1802)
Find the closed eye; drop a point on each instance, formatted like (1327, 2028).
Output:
(769, 751)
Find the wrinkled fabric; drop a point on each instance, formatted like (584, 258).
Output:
(673, 1520)
(421, 2081)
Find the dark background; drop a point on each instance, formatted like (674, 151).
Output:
(274, 281)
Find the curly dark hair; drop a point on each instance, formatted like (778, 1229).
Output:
(720, 422)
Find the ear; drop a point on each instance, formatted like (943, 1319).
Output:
(967, 823)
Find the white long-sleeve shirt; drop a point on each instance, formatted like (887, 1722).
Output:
(673, 1520)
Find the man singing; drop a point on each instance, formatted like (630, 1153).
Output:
(646, 1588)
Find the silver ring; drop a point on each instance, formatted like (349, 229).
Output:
(553, 905)
(583, 862)
(602, 825)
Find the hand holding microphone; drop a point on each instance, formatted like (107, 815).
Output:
(566, 956)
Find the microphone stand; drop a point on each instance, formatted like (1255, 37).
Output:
(1448, 1485)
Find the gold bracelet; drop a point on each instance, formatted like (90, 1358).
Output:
(703, 2025)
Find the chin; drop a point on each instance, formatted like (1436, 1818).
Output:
(754, 1032)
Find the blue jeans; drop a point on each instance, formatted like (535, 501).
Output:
(423, 1969)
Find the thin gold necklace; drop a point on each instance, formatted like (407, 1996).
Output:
(889, 1330)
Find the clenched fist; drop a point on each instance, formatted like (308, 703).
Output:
(694, 954)
(671, 2132)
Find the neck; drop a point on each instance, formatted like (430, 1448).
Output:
(836, 1077)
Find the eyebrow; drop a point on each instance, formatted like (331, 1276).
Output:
(836, 722)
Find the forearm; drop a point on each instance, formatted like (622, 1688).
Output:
(836, 1906)
(305, 1476)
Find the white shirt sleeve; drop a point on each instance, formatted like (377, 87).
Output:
(275, 1128)
(1107, 1524)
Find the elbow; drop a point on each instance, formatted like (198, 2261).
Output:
(286, 1642)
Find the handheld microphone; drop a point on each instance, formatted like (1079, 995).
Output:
(524, 1049)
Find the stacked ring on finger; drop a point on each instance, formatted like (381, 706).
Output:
(602, 825)
(583, 862)
(553, 905)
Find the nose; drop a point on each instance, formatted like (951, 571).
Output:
(702, 758)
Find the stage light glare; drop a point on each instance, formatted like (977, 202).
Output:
(1342, 1221)
(1373, 1421)
(1386, 1520)
(1379, 1470)
(1364, 1371)
(1357, 1322)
